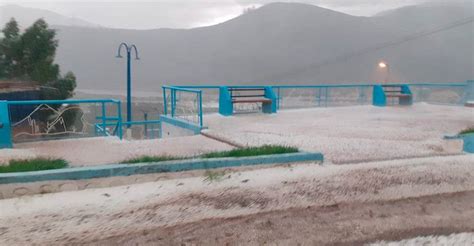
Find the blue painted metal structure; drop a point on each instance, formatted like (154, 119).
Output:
(468, 142)
(226, 107)
(170, 114)
(225, 101)
(196, 129)
(5, 130)
(324, 96)
(378, 96)
(469, 96)
(99, 128)
(406, 100)
(270, 94)
(129, 50)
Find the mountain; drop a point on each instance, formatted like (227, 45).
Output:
(26, 16)
(280, 43)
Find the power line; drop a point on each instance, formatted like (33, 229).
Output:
(408, 38)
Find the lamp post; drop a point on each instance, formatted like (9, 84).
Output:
(384, 65)
(129, 49)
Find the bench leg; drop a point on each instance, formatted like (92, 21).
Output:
(405, 101)
(267, 108)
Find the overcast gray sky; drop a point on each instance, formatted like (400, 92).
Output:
(188, 13)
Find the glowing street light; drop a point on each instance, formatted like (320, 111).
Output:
(384, 65)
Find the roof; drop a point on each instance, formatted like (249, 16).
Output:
(15, 86)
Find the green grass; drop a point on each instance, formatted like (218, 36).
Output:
(214, 176)
(37, 164)
(146, 158)
(467, 130)
(243, 152)
(253, 151)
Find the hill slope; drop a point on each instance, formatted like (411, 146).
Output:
(26, 16)
(278, 43)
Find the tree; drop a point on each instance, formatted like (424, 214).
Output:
(61, 88)
(30, 56)
(10, 51)
(39, 45)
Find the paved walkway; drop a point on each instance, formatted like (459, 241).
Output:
(352, 134)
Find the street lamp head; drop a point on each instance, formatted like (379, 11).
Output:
(119, 55)
(383, 64)
(133, 47)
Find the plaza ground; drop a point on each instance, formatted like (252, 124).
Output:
(342, 134)
(389, 175)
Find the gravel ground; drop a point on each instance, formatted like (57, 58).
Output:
(352, 134)
(94, 151)
(453, 239)
(368, 201)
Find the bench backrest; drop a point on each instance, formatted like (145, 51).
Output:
(246, 92)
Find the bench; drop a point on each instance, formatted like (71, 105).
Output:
(255, 100)
(230, 96)
(401, 92)
(249, 98)
(398, 95)
(397, 91)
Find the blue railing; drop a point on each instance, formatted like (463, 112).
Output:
(39, 120)
(183, 103)
(52, 119)
(446, 93)
(304, 96)
(150, 129)
(55, 119)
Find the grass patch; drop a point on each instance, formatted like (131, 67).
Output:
(212, 176)
(467, 130)
(37, 164)
(243, 152)
(253, 151)
(147, 158)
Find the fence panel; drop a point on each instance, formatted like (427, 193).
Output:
(140, 130)
(59, 119)
(291, 97)
(449, 94)
(184, 104)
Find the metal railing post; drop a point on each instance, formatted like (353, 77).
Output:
(200, 108)
(104, 115)
(165, 102)
(173, 98)
(119, 122)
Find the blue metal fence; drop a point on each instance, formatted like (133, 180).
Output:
(306, 96)
(55, 119)
(446, 93)
(183, 103)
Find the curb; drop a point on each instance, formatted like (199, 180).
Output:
(112, 170)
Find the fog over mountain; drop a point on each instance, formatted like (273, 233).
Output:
(284, 43)
(26, 16)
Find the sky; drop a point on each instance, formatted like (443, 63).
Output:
(150, 14)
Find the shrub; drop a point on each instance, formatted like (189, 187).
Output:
(467, 130)
(146, 158)
(253, 151)
(37, 164)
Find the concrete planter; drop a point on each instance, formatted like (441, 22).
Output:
(468, 145)
(104, 171)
